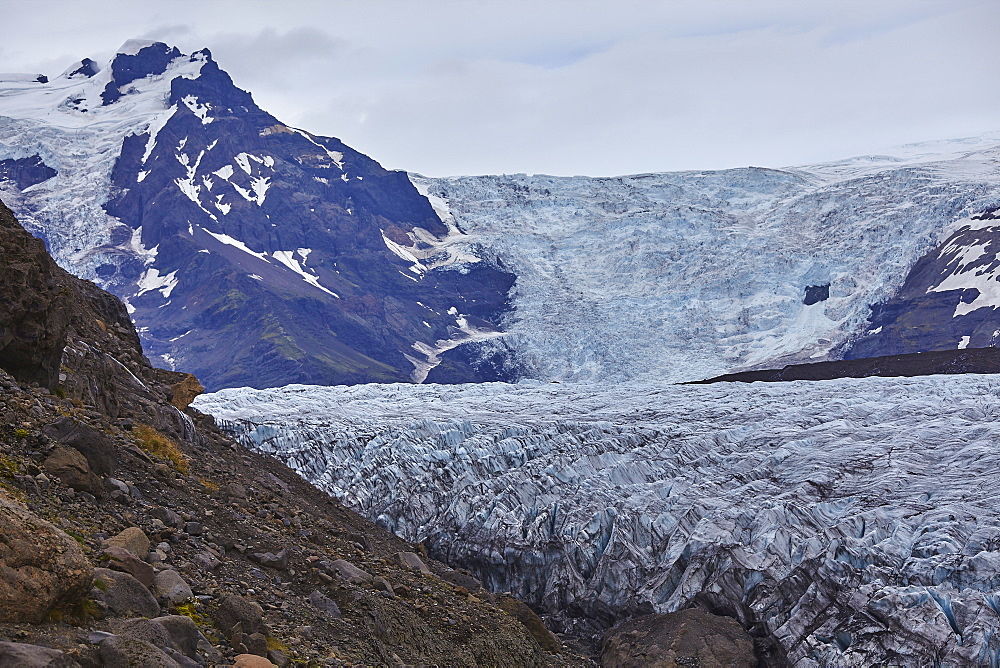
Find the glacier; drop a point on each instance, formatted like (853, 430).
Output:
(688, 275)
(842, 522)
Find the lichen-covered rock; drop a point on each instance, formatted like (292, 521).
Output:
(40, 566)
(170, 585)
(686, 638)
(233, 610)
(123, 594)
(124, 652)
(120, 559)
(132, 539)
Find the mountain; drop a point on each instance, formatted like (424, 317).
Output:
(248, 252)
(257, 254)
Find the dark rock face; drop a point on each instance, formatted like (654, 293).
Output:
(25, 172)
(125, 69)
(34, 318)
(947, 300)
(288, 254)
(815, 294)
(685, 638)
(973, 360)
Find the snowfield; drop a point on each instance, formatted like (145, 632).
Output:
(851, 522)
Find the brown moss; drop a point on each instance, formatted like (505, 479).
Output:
(159, 445)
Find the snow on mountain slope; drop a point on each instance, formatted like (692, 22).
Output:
(848, 522)
(689, 275)
(248, 252)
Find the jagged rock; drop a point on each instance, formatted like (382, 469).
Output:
(194, 528)
(132, 539)
(171, 586)
(175, 635)
(168, 517)
(324, 603)
(463, 579)
(118, 652)
(123, 594)
(232, 610)
(278, 561)
(120, 559)
(345, 570)
(95, 446)
(40, 566)
(412, 561)
(184, 392)
(72, 468)
(183, 633)
(206, 561)
(278, 658)
(117, 490)
(686, 638)
(256, 643)
(20, 655)
(34, 313)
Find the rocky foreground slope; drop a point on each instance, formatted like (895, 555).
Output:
(848, 522)
(132, 532)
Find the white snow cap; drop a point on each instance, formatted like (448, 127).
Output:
(133, 46)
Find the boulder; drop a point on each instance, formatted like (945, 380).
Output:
(412, 561)
(174, 634)
(132, 539)
(233, 610)
(278, 561)
(324, 603)
(19, 655)
(168, 517)
(124, 652)
(685, 638)
(123, 594)
(463, 579)
(251, 661)
(40, 566)
(345, 570)
(95, 446)
(120, 559)
(72, 468)
(171, 586)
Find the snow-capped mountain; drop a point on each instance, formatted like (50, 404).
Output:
(848, 522)
(257, 254)
(249, 252)
(690, 275)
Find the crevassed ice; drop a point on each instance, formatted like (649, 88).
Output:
(860, 509)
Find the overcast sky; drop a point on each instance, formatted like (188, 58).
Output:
(446, 87)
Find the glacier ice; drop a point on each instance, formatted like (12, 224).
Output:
(690, 275)
(850, 522)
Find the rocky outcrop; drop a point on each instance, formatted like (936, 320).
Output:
(973, 360)
(34, 306)
(686, 638)
(40, 566)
